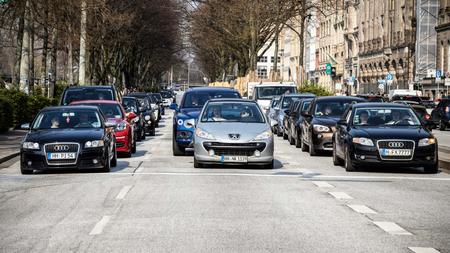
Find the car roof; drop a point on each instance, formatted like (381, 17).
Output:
(211, 89)
(232, 100)
(95, 101)
(299, 95)
(380, 105)
(91, 87)
(270, 84)
(339, 98)
(67, 107)
(128, 97)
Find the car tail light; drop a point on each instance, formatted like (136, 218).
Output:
(427, 116)
(447, 109)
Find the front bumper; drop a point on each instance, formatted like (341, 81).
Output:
(323, 141)
(258, 153)
(37, 160)
(123, 142)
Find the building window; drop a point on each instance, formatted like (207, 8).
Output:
(273, 58)
(262, 59)
(262, 72)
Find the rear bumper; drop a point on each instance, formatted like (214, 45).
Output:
(123, 142)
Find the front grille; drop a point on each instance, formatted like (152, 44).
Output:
(62, 148)
(396, 144)
(120, 144)
(234, 149)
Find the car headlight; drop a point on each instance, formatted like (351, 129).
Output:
(147, 117)
(121, 126)
(264, 136)
(363, 141)
(94, 144)
(426, 141)
(203, 134)
(30, 145)
(189, 123)
(321, 129)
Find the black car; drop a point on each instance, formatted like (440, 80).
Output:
(132, 104)
(428, 103)
(295, 120)
(320, 121)
(287, 116)
(151, 118)
(285, 102)
(384, 134)
(407, 98)
(441, 114)
(79, 93)
(68, 137)
(159, 101)
(371, 98)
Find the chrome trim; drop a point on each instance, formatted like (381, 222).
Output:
(58, 143)
(398, 159)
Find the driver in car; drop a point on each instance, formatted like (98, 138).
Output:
(84, 121)
(363, 118)
(217, 114)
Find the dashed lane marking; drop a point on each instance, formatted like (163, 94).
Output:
(98, 229)
(423, 250)
(322, 184)
(123, 192)
(340, 195)
(362, 209)
(391, 228)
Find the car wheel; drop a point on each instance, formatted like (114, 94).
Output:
(442, 126)
(177, 150)
(143, 134)
(431, 169)
(25, 171)
(107, 167)
(297, 140)
(133, 147)
(153, 131)
(285, 136)
(348, 163)
(303, 146)
(139, 136)
(291, 139)
(312, 150)
(197, 164)
(336, 160)
(114, 159)
(274, 130)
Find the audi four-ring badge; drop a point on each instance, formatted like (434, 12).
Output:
(384, 134)
(233, 131)
(76, 137)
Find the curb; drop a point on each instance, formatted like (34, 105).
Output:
(444, 166)
(9, 157)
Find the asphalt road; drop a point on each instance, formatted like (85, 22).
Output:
(154, 202)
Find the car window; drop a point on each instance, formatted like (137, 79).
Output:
(305, 106)
(331, 108)
(65, 119)
(232, 112)
(385, 117)
(198, 99)
(129, 105)
(109, 110)
(87, 94)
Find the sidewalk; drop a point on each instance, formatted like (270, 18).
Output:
(10, 144)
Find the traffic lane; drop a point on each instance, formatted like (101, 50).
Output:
(237, 214)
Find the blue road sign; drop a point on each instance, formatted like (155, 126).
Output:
(389, 77)
(438, 74)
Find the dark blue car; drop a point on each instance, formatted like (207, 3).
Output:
(186, 114)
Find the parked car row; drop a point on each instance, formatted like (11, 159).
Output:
(90, 128)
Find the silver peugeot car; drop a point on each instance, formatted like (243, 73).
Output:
(233, 131)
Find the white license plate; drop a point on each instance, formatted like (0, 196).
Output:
(396, 152)
(234, 159)
(61, 156)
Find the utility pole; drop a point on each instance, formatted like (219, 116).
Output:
(83, 33)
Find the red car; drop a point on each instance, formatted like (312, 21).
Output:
(114, 112)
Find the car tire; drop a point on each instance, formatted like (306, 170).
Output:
(133, 147)
(25, 171)
(107, 167)
(177, 150)
(431, 169)
(274, 130)
(303, 146)
(336, 160)
(153, 131)
(139, 136)
(291, 139)
(442, 126)
(114, 159)
(285, 136)
(143, 134)
(348, 164)
(197, 164)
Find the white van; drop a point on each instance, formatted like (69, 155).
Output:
(262, 93)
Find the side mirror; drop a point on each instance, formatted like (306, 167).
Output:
(131, 115)
(173, 106)
(25, 126)
(110, 125)
(342, 122)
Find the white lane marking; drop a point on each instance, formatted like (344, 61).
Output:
(423, 250)
(322, 184)
(391, 228)
(98, 229)
(123, 192)
(340, 195)
(362, 209)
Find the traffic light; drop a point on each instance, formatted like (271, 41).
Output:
(333, 72)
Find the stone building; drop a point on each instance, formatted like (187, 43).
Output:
(443, 42)
(386, 44)
(351, 46)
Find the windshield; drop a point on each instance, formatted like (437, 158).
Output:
(332, 108)
(166, 95)
(64, 119)
(407, 98)
(129, 104)
(305, 105)
(144, 103)
(385, 117)
(268, 92)
(87, 94)
(109, 110)
(198, 99)
(232, 112)
(287, 101)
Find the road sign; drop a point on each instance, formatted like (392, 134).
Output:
(328, 69)
(389, 77)
(381, 86)
(438, 74)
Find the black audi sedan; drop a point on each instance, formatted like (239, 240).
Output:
(384, 134)
(68, 137)
(320, 120)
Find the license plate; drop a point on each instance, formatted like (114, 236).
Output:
(234, 159)
(61, 156)
(396, 152)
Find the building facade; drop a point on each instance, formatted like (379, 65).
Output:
(443, 45)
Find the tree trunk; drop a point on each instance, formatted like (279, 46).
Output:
(31, 72)
(16, 74)
(25, 59)
(253, 54)
(83, 34)
(301, 69)
(52, 64)
(70, 58)
(274, 72)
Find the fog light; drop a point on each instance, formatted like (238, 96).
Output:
(257, 153)
(95, 161)
(319, 136)
(29, 163)
(363, 157)
(211, 152)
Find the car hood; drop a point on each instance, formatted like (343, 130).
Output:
(263, 103)
(326, 121)
(391, 133)
(191, 113)
(247, 131)
(64, 135)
